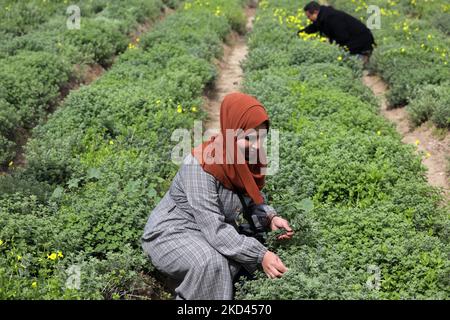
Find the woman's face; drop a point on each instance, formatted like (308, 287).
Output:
(250, 142)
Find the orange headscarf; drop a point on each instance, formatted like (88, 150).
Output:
(238, 111)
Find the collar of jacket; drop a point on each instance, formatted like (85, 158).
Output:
(323, 13)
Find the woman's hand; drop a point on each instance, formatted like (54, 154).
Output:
(272, 265)
(278, 223)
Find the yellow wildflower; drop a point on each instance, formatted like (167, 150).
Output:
(194, 109)
(111, 142)
(339, 58)
(417, 142)
(179, 109)
(60, 255)
(52, 256)
(34, 284)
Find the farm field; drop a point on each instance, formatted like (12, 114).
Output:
(85, 158)
(44, 55)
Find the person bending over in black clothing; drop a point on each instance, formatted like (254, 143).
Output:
(341, 28)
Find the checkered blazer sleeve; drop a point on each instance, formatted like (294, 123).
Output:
(201, 188)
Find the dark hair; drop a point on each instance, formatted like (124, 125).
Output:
(312, 7)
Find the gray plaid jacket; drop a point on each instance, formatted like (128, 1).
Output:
(192, 235)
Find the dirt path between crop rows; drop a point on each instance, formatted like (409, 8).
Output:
(436, 151)
(230, 73)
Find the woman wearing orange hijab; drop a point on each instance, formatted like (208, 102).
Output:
(192, 234)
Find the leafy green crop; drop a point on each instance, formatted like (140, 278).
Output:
(102, 162)
(40, 56)
(367, 224)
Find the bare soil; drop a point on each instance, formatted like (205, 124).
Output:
(230, 74)
(435, 149)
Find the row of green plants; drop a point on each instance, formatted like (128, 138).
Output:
(102, 162)
(41, 57)
(367, 224)
(413, 55)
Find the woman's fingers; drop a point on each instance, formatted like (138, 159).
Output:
(275, 273)
(272, 273)
(286, 226)
(287, 235)
(281, 267)
(278, 268)
(273, 266)
(267, 272)
(289, 232)
(280, 223)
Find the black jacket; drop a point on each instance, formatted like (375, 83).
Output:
(343, 29)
